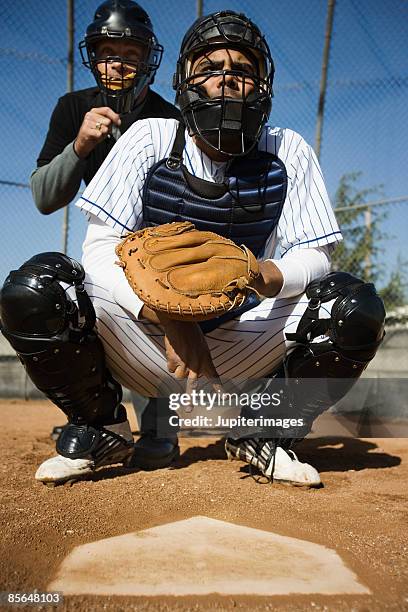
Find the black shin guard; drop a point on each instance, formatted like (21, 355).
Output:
(54, 339)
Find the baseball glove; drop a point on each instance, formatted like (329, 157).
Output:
(186, 273)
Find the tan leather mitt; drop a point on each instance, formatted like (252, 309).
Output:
(186, 273)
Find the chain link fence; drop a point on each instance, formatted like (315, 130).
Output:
(364, 123)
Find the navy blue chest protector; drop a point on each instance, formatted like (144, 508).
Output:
(245, 208)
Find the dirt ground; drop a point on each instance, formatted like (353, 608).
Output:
(361, 512)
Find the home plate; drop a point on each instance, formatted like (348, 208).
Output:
(199, 556)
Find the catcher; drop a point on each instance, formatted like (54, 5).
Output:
(219, 207)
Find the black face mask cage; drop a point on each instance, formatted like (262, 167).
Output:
(227, 123)
(153, 50)
(231, 122)
(232, 31)
(259, 86)
(123, 96)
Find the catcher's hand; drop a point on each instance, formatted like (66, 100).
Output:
(188, 355)
(188, 274)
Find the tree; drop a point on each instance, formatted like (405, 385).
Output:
(360, 251)
(394, 293)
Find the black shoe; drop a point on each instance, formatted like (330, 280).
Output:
(157, 447)
(151, 453)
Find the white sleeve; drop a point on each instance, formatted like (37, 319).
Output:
(99, 259)
(307, 218)
(300, 267)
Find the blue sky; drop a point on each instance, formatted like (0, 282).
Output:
(366, 127)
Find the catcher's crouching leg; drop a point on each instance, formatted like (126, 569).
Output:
(54, 338)
(353, 333)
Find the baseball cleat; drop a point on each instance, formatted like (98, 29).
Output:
(152, 453)
(59, 469)
(273, 461)
(114, 446)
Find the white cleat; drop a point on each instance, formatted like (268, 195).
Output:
(115, 446)
(273, 461)
(59, 469)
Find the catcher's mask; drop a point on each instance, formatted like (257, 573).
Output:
(230, 125)
(126, 21)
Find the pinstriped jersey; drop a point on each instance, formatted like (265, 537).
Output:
(115, 194)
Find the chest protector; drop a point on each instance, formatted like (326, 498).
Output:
(245, 208)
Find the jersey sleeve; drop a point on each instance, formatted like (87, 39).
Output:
(307, 219)
(115, 193)
(99, 260)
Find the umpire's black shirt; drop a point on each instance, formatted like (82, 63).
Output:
(69, 114)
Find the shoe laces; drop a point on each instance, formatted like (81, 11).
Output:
(271, 446)
(294, 456)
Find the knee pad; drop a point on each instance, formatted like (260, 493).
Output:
(353, 333)
(354, 330)
(54, 338)
(35, 304)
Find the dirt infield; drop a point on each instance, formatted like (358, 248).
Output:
(361, 512)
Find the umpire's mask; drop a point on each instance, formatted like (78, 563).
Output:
(127, 22)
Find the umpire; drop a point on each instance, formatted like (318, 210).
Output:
(123, 53)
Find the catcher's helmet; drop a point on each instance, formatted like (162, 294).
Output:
(128, 21)
(230, 125)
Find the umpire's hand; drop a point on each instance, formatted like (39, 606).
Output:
(95, 127)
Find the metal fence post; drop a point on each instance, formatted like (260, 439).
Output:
(323, 80)
(70, 87)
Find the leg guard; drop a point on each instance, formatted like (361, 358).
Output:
(54, 339)
(353, 333)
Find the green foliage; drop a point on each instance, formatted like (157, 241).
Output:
(360, 252)
(394, 294)
(361, 228)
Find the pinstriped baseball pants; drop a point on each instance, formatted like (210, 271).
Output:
(251, 346)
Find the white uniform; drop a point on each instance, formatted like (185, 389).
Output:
(251, 346)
